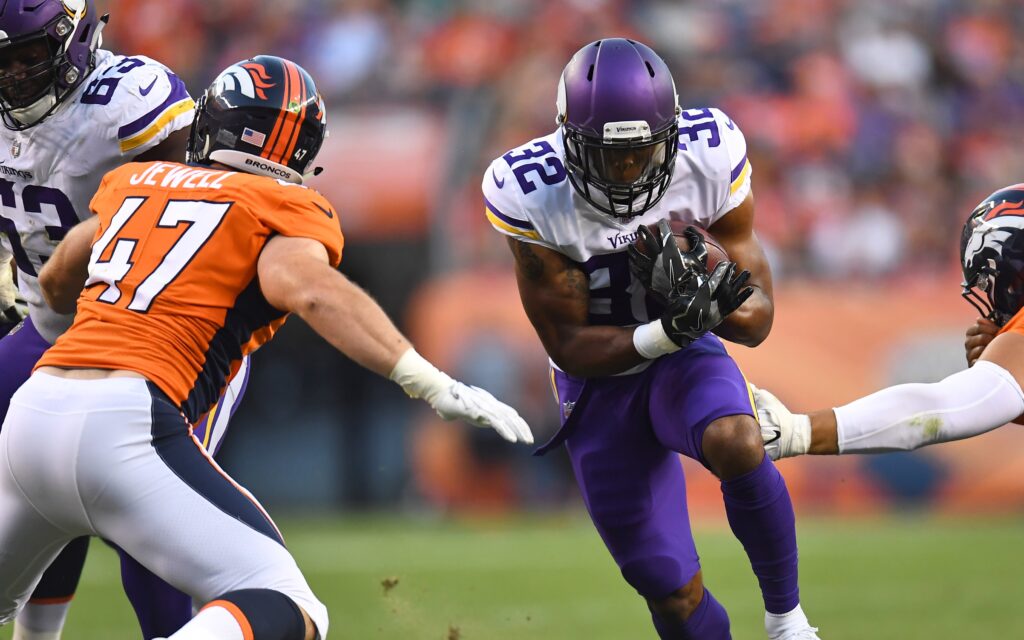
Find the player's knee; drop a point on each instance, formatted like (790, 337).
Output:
(733, 446)
(272, 615)
(679, 605)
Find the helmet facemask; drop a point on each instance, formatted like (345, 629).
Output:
(624, 173)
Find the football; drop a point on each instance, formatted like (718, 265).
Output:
(716, 253)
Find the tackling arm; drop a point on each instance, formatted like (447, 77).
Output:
(295, 276)
(65, 273)
(556, 296)
(907, 416)
(750, 324)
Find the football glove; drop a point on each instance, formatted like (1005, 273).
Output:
(477, 406)
(660, 265)
(785, 434)
(12, 306)
(454, 400)
(701, 302)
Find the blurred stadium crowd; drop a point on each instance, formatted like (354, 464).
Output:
(873, 128)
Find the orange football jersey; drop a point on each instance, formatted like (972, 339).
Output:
(172, 291)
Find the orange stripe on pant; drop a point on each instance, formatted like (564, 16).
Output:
(237, 614)
(240, 488)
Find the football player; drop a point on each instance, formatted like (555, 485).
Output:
(983, 397)
(71, 112)
(187, 269)
(639, 376)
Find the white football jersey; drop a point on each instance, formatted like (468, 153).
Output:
(527, 195)
(49, 172)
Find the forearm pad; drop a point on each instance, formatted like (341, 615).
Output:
(908, 416)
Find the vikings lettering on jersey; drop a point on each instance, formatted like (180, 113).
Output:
(527, 196)
(48, 173)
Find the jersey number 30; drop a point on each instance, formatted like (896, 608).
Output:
(202, 219)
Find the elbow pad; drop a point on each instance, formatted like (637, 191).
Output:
(908, 416)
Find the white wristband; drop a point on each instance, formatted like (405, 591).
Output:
(418, 378)
(651, 341)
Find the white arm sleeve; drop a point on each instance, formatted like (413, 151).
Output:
(909, 416)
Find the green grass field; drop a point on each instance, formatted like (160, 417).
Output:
(550, 578)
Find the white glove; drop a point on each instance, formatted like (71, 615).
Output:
(785, 434)
(12, 306)
(454, 400)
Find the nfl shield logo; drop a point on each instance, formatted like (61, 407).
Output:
(16, 148)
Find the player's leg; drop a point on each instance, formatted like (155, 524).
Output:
(635, 493)
(227, 544)
(160, 608)
(701, 407)
(43, 617)
(39, 513)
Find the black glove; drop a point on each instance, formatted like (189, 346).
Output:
(704, 302)
(661, 267)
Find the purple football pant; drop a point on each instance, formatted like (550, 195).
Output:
(161, 608)
(623, 434)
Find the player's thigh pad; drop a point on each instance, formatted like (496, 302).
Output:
(633, 487)
(692, 388)
(19, 351)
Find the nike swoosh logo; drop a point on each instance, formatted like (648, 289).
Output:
(500, 184)
(328, 212)
(145, 90)
(778, 435)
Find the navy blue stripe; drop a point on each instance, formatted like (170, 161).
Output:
(251, 313)
(177, 94)
(738, 169)
(178, 450)
(515, 222)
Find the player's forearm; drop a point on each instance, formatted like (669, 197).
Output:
(64, 274)
(594, 351)
(909, 416)
(352, 322)
(751, 323)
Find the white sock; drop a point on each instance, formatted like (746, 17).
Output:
(777, 624)
(212, 623)
(41, 621)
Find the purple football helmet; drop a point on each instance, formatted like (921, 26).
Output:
(992, 255)
(47, 48)
(617, 106)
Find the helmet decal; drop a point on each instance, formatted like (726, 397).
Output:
(992, 255)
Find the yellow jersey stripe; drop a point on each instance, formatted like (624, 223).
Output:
(504, 226)
(154, 129)
(740, 179)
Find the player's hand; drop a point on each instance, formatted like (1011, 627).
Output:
(477, 406)
(703, 302)
(785, 434)
(661, 266)
(982, 332)
(12, 306)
